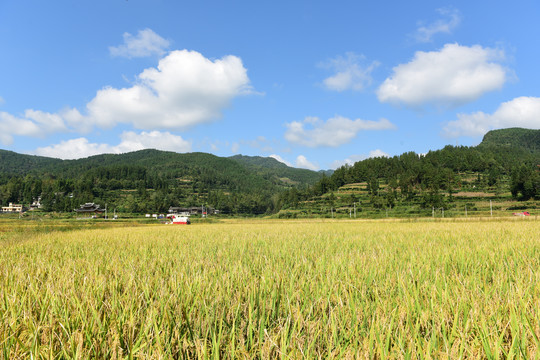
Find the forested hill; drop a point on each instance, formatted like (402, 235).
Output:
(160, 179)
(273, 169)
(163, 164)
(12, 163)
(504, 167)
(151, 181)
(524, 139)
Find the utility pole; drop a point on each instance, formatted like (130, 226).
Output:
(465, 210)
(490, 208)
(354, 210)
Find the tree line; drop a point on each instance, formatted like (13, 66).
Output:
(430, 178)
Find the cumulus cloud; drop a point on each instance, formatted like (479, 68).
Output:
(450, 19)
(10, 125)
(74, 149)
(153, 140)
(34, 124)
(281, 160)
(350, 73)
(454, 75)
(377, 153)
(355, 158)
(313, 132)
(519, 112)
(184, 90)
(48, 122)
(145, 43)
(304, 163)
(130, 141)
(301, 162)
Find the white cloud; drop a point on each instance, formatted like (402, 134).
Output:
(355, 158)
(153, 140)
(75, 121)
(304, 163)
(235, 148)
(377, 153)
(334, 132)
(2, 100)
(10, 125)
(34, 123)
(48, 122)
(454, 75)
(130, 141)
(280, 159)
(74, 149)
(519, 112)
(184, 90)
(350, 74)
(451, 18)
(301, 162)
(145, 43)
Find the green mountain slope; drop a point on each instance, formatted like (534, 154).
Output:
(504, 165)
(13, 163)
(239, 171)
(504, 168)
(200, 167)
(277, 171)
(148, 180)
(525, 139)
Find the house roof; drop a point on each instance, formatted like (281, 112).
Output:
(90, 207)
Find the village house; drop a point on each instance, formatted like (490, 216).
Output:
(36, 204)
(90, 209)
(12, 208)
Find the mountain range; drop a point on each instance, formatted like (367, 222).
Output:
(239, 183)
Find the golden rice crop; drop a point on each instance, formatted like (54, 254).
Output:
(358, 289)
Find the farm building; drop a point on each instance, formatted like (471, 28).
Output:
(12, 208)
(90, 209)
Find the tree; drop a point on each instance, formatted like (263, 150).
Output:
(525, 183)
(373, 185)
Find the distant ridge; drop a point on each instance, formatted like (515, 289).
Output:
(19, 164)
(525, 139)
(237, 169)
(270, 167)
(153, 180)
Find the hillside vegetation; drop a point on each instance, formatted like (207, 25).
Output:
(528, 140)
(503, 170)
(148, 180)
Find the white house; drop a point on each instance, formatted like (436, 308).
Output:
(12, 208)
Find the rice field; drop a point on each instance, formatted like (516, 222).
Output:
(272, 289)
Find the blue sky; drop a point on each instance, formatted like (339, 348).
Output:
(315, 84)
